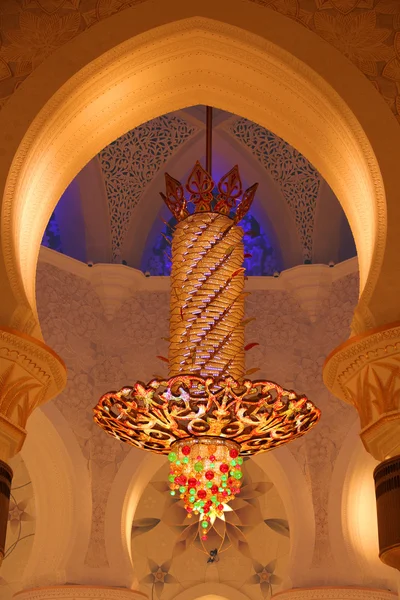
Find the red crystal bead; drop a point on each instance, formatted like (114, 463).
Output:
(212, 458)
(233, 453)
(209, 475)
(204, 538)
(186, 450)
(224, 468)
(214, 489)
(220, 507)
(202, 494)
(192, 482)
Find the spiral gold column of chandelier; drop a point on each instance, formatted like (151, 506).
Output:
(207, 415)
(207, 301)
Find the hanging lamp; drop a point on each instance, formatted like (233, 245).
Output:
(207, 416)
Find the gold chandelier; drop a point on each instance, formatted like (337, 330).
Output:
(207, 415)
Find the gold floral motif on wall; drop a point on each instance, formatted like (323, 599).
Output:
(367, 32)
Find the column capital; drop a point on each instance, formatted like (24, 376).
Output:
(31, 373)
(365, 372)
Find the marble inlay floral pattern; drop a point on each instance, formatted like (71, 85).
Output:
(297, 179)
(132, 161)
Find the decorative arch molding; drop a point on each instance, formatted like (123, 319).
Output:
(211, 591)
(284, 471)
(128, 486)
(61, 484)
(353, 529)
(234, 56)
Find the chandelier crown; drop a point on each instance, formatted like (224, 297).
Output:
(227, 198)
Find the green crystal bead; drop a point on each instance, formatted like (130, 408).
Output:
(192, 498)
(209, 484)
(172, 493)
(198, 467)
(172, 457)
(238, 475)
(192, 491)
(204, 524)
(233, 463)
(182, 489)
(239, 460)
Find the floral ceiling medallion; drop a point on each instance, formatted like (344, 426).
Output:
(208, 415)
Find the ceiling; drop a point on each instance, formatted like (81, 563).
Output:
(112, 212)
(253, 540)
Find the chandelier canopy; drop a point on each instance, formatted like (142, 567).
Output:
(207, 415)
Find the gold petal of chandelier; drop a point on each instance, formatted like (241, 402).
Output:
(207, 416)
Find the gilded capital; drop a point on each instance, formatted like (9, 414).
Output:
(365, 372)
(31, 373)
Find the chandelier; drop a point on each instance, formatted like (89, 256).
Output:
(208, 415)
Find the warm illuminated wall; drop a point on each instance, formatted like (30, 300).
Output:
(110, 335)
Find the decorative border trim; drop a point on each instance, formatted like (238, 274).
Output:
(79, 592)
(335, 593)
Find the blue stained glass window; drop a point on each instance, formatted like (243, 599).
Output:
(51, 238)
(260, 256)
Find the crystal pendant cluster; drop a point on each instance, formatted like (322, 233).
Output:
(207, 474)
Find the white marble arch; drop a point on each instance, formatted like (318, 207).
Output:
(61, 483)
(139, 468)
(211, 591)
(135, 65)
